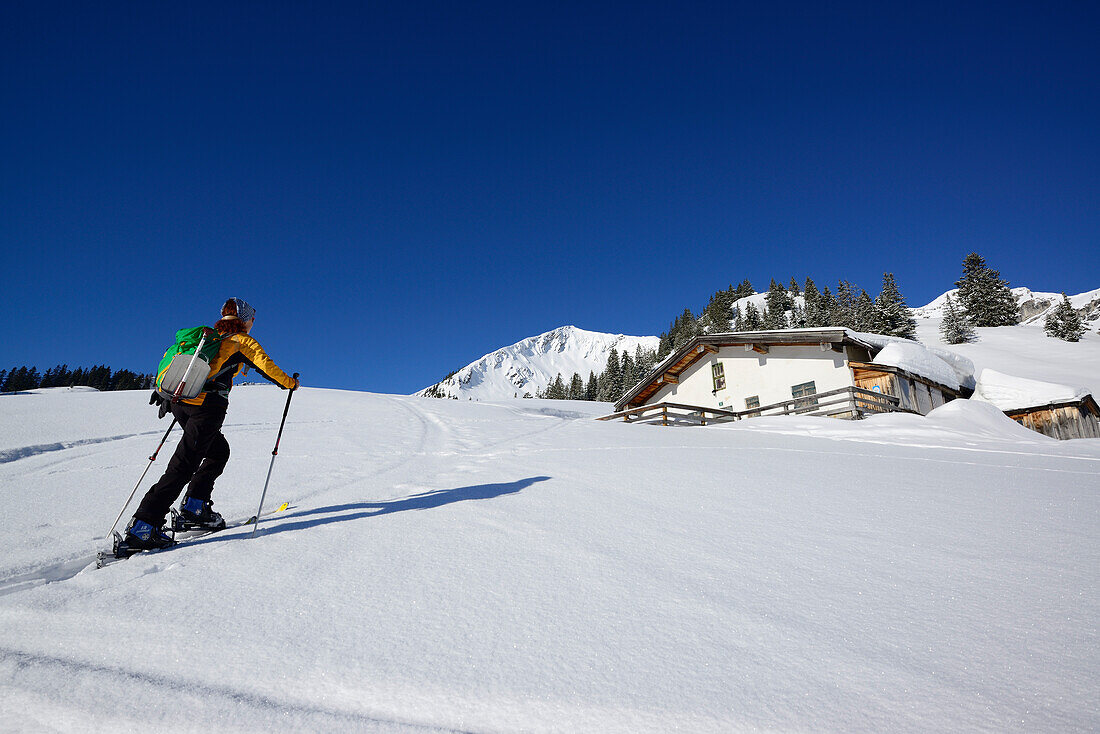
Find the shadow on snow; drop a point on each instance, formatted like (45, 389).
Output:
(361, 510)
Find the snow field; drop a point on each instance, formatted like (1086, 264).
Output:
(462, 566)
(1025, 351)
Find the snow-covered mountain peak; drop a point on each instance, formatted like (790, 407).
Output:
(531, 364)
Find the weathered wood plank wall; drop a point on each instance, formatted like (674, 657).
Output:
(1062, 422)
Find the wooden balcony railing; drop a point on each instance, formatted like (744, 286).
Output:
(846, 402)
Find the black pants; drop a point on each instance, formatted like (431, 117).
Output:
(200, 458)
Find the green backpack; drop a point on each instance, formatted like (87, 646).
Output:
(186, 364)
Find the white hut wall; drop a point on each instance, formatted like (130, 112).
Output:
(768, 377)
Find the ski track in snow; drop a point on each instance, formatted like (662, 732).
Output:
(48, 574)
(8, 456)
(210, 697)
(438, 438)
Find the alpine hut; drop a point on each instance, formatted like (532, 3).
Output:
(826, 371)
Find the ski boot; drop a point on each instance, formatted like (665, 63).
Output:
(196, 514)
(141, 536)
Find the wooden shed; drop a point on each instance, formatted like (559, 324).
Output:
(1058, 411)
(1071, 419)
(915, 392)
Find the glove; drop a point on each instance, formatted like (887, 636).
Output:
(157, 399)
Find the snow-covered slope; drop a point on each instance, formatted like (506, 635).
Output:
(1033, 305)
(1025, 351)
(531, 365)
(518, 567)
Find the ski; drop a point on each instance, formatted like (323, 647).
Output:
(120, 551)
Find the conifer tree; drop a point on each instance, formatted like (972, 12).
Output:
(815, 314)
(591, 388)
(781, 294)
(793, 289)
(629, 370)
(610, 382)
(683, 329)
(715, 318)
(894, 317)
(777, 302)
(665, 347)
(99, 377)
(17, 380)
(774, 319)
(1064, 322)
(687, 330)
(644, 361)
(985, 296)
(576, 387)
(843, 306)
(744, 290)
(753, 321)
(739, 321)
(955, 327)
(864, 314)
(125, 380)
(829, 307)
(798, 316)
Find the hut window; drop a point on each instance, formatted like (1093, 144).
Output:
(804, 390)
(753, 402)
(718, 372)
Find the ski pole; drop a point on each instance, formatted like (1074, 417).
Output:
(132, 493)
(274, 453)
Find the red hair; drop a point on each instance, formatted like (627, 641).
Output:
(230, 325)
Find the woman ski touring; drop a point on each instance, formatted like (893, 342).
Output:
(202, 453)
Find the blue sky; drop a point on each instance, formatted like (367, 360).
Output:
(400, 188)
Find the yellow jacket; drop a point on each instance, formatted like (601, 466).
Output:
(235, 352)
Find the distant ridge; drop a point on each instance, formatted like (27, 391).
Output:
(1033, 304)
